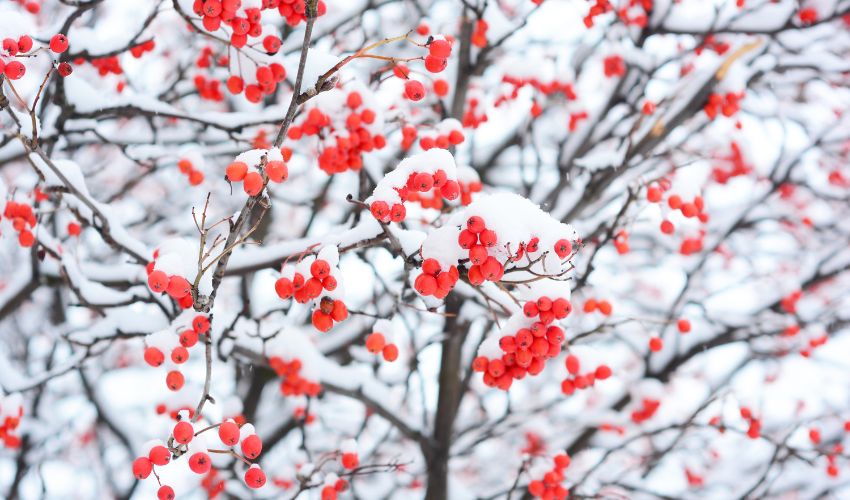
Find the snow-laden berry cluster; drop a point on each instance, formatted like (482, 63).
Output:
(316, 279)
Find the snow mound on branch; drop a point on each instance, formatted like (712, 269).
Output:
(428, 162)
(514, 219)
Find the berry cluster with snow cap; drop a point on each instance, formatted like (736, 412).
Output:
(432, 170)
(176, 346)
(495, 234)
(317, 279)
(348, 125)
(172, 268)
(380, 340)
(11, 412)
(527, 340)
(445, 134)
(244, 18)
(246, 168)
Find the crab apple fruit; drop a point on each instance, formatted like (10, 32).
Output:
(441, 87)
(252, 446)
(59, 43)
(425, 284)
(183, 432)
(178, 287)
(15, 70)
(440, 48)
(159, 455)
(174, 380)
(683, 325)
(375, 342)
(272, 44)
(201, 324)
(350, 460)
(284, 288)
(255, 477)
(379, 209)
(158, 281)
(24, 44)
(602, 372)
(179, 354)
(390, 352)
(573, 364)
(563, 248)
(252, 183)
(475, 224)
(165, 492)
(414, 90)
(277, 171)
(200, 463)
(228, 432)
(236, 171)
(320, 268)
(435, 64)
(655, 344)
(188, 338)
(142, 468)
(154, 356)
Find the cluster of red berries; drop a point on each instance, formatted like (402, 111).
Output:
(177, 287)
(105, 65)
(439, 50)
(467, 188)
(526, 351)
(434, 281)
(635, 13)
(11, 412)
(293, 10)
(303, 289)
(434, 199)
(442, 140)
(575, 118)
(330, 311)
(15, 70)
(753, 423)
(692, 209)
(726, 104)
(267, 78)
(154, 356)
(293, 384)
(187, 168)
(710, 42)
(199, 461)
(252, 180)
(549, 486)
(648, 407)
(23, 220)
(417, 182)
(613, 65)
(208, 88)
(333, 486)
(376, 343)
(343, 147)
(737, 165)
(139, 50)
(547, 89)
(216, 12)
(472, 118)
(577, 380)
(603, 306)
(597, 9)
(478, 239)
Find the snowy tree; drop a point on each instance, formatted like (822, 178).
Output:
(441, 249)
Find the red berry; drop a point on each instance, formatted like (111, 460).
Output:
(253, 183)
(15, 70)
(375, 342)
(165, 492)
(255, 477)
(380, 210)
(178, 287)
(174, 380)
(200, 463)
(322, 321)
(188, 338)
(683, 325)
(414, 90)
(475, 224)
(64, 69)
(320, 268)
(179, 354)
(563, 248)
(154, 356)
(228, 432)
(272, 44)
(390, 352)
(159, 455)
(158, 281)
(252, 446)
(655, 344)
(59, 43)
(142, 468)
(573, 364)
(24, 44)
(440, 48)
(284, 288)
(183, 432)
(435, 64)
(201, 324)
(236, 171)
